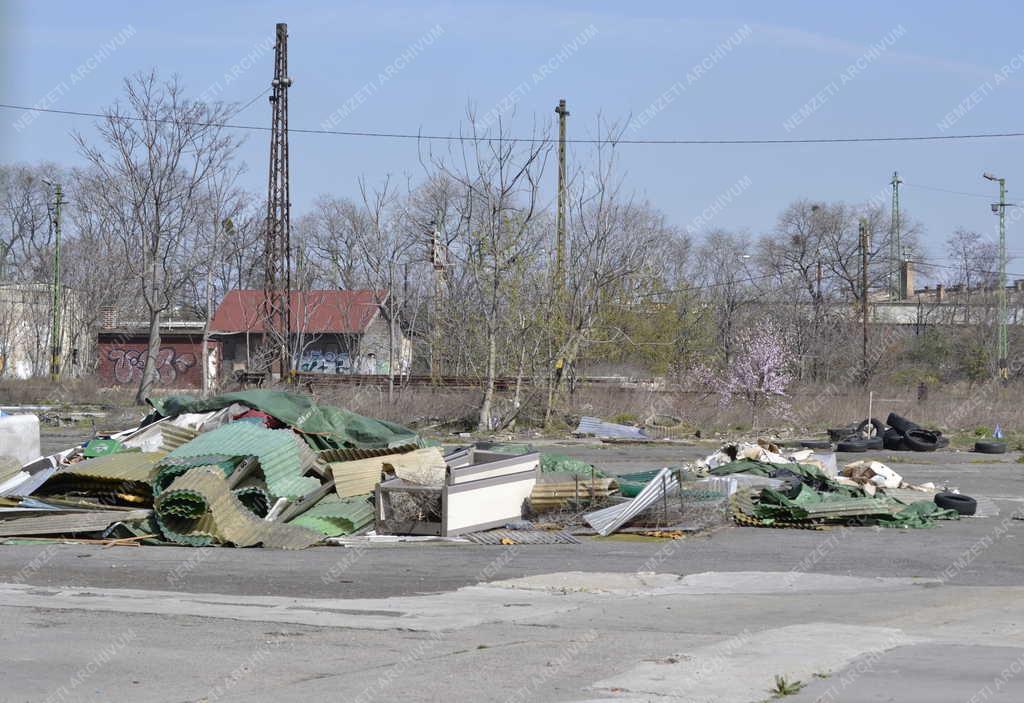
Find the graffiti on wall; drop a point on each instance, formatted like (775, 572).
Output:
(324, 361)
(129, 364)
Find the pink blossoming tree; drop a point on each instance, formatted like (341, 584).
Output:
(759, 372)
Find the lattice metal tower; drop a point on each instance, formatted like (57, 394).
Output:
(277, 251)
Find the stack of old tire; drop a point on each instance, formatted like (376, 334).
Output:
(896, 433)
(867, 435)
(903, 435)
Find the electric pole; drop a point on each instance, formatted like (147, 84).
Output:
(895, 250)
(438, 261)
(865, 244)
(55, 313)
(277, 252)
(1002, 344)
(560, 221)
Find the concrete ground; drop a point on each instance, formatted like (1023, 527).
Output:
(852, 614)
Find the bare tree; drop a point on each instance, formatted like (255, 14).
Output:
(158, 155)
(498, 200)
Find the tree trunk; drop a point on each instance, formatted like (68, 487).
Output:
(391, 355)
(206, 338)
(517, 398)
(485, 407)
(149, 372)
(571, 351)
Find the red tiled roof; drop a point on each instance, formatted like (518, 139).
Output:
(314, 311)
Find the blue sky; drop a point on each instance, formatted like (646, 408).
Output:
(928, 58)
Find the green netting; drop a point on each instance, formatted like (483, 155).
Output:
(551, 462)
(631, 484)
(923, 513)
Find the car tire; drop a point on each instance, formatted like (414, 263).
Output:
(990, 447)
(893, 441)
(871, 428)
(874, 443)
(901, 424)
(838, 434)
(852, 445)
(815, 444)
(963, 505)
(922, 440)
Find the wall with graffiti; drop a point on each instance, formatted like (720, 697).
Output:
(177, 363)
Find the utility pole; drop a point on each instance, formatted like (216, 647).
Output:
(55, 313)
(895, 250)
(438, 261)
(277, 253)
(560, 221)
(1002, 344)
(865, 244)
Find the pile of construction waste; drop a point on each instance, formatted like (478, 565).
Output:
(272, 469)
(808, 490)
(251, 468)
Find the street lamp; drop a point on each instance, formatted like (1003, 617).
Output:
(1002, 347)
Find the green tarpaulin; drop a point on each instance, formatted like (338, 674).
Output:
(325, 427)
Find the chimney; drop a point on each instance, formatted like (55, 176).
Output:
(906, 280)
(108, 317)
(1018, 284)
(939, 290)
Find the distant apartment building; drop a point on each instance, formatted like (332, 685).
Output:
(26, 323)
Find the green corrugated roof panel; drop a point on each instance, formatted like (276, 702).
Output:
(283, 456)
(336, 516)
(174, 436)
(169, 469)
(122, 466)
(255, 499)
(199, 508)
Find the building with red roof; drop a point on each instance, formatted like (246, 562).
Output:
(331, 331)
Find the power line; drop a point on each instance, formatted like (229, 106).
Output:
(969, 270)
(945, 190)
(534, 140)
(245, 107)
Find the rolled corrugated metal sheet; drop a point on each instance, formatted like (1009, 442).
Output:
(607, 520)
(284, 457)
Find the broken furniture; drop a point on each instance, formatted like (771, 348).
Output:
(481, 490)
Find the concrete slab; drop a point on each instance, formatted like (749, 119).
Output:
(742, 669)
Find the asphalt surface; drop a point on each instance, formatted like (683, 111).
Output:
(858, 614)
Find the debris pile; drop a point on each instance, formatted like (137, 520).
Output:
(272, 469)
(252, 468)
(895, 434)
(814, 495)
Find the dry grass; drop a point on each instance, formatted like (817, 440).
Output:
(957, 410)
(81, 391)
